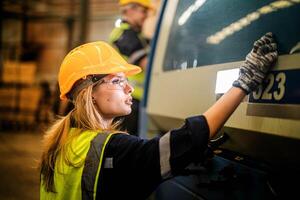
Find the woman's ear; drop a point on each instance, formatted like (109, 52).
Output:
(93, 99)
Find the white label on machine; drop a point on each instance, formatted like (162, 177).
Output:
(225, 79)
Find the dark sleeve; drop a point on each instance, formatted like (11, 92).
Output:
(163, 156)
(133, 152)
(189, 143)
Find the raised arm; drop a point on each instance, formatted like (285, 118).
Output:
(252, 73)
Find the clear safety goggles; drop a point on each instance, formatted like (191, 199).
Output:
(114, 83)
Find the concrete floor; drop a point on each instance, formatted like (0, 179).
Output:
(19, 154)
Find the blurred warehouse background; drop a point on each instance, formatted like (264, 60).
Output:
(35, 36)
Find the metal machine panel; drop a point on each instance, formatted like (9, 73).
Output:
(197, 40)
(186, 62)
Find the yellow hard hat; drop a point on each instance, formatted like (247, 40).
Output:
(91, 59)
(145, 3)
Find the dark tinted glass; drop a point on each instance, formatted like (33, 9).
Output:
(221, 31)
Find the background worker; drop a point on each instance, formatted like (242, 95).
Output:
(85, 157)
(133, 46)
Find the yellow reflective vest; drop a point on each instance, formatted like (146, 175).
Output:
(79, 180)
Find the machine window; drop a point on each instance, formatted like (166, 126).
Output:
(207, 32)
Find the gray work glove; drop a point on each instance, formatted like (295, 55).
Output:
(257, 64)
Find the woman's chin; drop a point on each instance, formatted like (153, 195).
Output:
(125, 113)
(128, 112)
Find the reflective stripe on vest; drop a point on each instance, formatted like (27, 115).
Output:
(165, 154)
(79, 181)
(117, 32)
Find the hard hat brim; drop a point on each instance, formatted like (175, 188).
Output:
(126, 68)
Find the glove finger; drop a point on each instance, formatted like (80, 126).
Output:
(263, 50)
(267, 38)
(258, 43)
(272, 57)
(255, 47)
(273, 47)
(269, 34)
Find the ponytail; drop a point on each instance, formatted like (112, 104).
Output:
(53, 143)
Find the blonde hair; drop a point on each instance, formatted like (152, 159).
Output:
(84, 116)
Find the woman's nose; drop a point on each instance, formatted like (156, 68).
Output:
(128, 88)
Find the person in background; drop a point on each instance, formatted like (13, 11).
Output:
(128, 39)
(149, 24)
(85, 156)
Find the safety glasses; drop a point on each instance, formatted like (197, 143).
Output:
(114, 83)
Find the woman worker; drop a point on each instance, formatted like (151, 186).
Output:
(86, 157)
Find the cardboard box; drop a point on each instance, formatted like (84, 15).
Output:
(19, 72)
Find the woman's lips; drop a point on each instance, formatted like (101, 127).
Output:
(129, 101)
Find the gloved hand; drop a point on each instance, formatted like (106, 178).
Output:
(257, 64)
